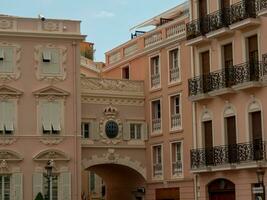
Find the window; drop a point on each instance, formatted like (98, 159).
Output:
(7, 116)
(50, 61)
(155, 71)
(53, 187)
(51, 117)
(85, 128)
(112, 129)
(157, 160)
(135, 131)
(175, 111)
(156, 115)
(126, 73)
(92, 181)
(6, 60)
(5, 187)
(176, 158)
(174, 65)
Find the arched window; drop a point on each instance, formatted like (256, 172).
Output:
(221, 189)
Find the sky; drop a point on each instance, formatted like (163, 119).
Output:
(106, 23)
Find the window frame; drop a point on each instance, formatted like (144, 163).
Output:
(153, 133)
(150, 71)
(174, 176)
(170, 63)
(153, 163)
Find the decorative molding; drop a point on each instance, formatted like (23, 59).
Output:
(6, 77)
(9, 155)
(7, 141)
(51, 91)
(114, 87)
(50, 26)
(110, 111)
(110, 157)
(113, 101)
(51, 154)
(6, 24)
(63, 61)
(51, 141)
(7, 92)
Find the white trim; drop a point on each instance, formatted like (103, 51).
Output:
(182, 158)
(152, 161)
(151, 116)
(244, 43)
(178, 47)
(150, 57)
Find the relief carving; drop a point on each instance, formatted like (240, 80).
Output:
(50, 26)
(6, 24)
(51, 141)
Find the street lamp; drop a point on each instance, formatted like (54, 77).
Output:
(48, 175)
(260, 175)
(259, 190)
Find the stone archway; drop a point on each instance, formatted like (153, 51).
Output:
(221, 189)
(123, 177)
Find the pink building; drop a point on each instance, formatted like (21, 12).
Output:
(39, 107)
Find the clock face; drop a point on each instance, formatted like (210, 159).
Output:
(111, 129)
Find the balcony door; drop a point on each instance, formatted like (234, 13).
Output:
(207, 128)
(227, 63)
(253, 56)
(205, 69)
(203, 11)
(231, 138)
(256, 131)
(225, 4)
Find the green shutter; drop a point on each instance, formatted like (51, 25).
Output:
(9, 116)
(55, 114)
(17, 182)
(144, 131)
(6, 66)
(65, 186)
(37, 183)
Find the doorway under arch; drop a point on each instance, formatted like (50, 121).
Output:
(221, 189)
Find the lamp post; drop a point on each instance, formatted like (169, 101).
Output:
(48, 175)
(260, 175)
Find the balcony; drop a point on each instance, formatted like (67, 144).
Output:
(240, 15)
(177, 168)
(243, 14)
(226, 80)
(175, 121)
(155, 80)
(174, 74)
(157, 169)
(156, 125)
(261, 7)
(228, 155)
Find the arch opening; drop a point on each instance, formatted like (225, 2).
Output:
(222, 189)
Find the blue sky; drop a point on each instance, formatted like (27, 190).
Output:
(105, 22)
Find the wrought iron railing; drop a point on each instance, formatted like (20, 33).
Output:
(155, 80)
(157, 169)
(243, 10)
(261, 5)
(224, 17)
(264, 64)
(176, 121)
(229, 154)
(174, 74)
(156, 124)
(177, 167)
(227, 77)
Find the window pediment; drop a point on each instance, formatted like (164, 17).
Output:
(51, 154)
(9, 155)
(51, 91)
(9, 91)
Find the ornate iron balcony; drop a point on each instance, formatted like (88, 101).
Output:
(261, 5)
(227, 77)
(229, 154)
(197, 28)
(243, 10)
(219, 19)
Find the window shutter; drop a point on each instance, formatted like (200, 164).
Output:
(46, 56)
(65, 181)
(95, 130)
(55, 115)
(45, 116)
(37, 183)
(17, 182)
(2, 115)
(9, 112)
(2, 54)
(144, 131)
(7, 64)
(126, 131)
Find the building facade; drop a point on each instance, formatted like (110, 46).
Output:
(39, 107)
(228, 92)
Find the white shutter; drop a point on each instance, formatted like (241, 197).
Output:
(45, 116)
(7, 64)
(55, 114)
(126, 131)
(17, 181)
(2, 54)
(2, 115)
(54, 67)
(65, 183)
(46, 56)
(37, 184)
(95, 130)
(9, 115)
(144, 131)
